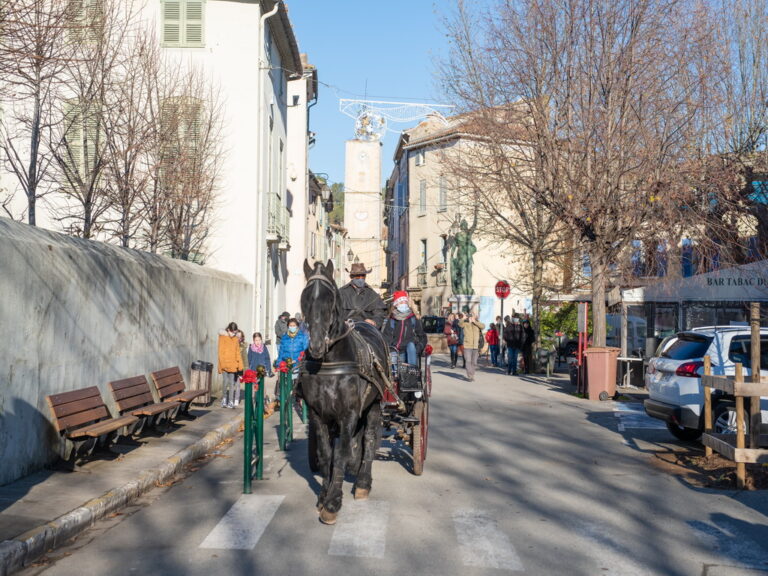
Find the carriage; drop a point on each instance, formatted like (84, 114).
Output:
(405, 409)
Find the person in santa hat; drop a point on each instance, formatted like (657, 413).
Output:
(403, 331)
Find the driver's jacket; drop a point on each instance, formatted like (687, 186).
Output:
(362, 304)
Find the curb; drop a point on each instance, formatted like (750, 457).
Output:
(17, 553)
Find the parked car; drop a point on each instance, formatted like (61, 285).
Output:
(433, 324)
(673, 377)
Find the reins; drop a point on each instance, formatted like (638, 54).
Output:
(329, 342)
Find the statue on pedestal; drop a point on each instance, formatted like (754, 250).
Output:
(462, 254)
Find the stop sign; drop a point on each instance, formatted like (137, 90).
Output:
(502, 289)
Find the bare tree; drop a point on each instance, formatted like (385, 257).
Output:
(99, 31)
(610, 110)
(187, 166)
(34, 53)
(128, 132)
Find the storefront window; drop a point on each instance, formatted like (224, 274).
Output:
(665, 320)
(714, 314)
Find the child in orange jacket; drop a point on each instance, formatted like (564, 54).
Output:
(230, 364)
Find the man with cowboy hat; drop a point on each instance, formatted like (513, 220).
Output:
(360, 302)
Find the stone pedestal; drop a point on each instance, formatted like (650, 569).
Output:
(464, 303)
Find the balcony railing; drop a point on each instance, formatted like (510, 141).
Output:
(278, 220)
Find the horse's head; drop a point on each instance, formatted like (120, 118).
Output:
(320, 306)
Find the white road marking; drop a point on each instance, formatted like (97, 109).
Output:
(613, 556)
(361, 530)
(244, 524)
(631, 415)
(731, 542)
(482, 543)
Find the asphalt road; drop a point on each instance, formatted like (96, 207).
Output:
(521, 477)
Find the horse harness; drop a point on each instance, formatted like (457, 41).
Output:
(367, 365)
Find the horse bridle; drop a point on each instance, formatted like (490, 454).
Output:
(330, 284)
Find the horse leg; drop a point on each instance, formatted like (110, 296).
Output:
(341, 457)
(371, 439)
(324, 454)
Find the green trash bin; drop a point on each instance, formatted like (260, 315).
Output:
(601, 372)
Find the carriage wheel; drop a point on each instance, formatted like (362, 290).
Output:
(312, 447)
(419, 436)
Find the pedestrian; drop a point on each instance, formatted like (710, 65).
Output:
(230, 363)
(281, 328)
(460, 330)
(293, 343)
(529, 337)
(403, 331)
(492, 337)
(473, 337)
(360, 302)
(303, 327)
(452, 338)
(514, 337)
(243, 350)
(258, 355)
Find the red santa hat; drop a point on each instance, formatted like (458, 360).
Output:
(400, 296)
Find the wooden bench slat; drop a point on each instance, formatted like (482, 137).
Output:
(154, 409)
(108, 426)
(69, 408)
(75, 420)
(73, 395)
(165, 372)
(187, 396)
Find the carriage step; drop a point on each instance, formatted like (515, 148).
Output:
(410, 419)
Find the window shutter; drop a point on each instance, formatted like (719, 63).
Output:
(172, 22)
(73, 125)
(193, 23)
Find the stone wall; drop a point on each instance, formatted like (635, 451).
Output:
(77, 313)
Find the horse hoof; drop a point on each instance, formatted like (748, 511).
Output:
(362, 493)
(327, 517)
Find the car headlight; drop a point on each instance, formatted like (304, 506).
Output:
(418, 394)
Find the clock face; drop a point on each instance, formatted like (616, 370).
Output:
(361, 215)
(363, 156)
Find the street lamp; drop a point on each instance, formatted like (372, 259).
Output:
(350, 255)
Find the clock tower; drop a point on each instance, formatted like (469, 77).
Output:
(362, 207)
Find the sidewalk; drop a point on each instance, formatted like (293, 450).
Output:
(46, 508)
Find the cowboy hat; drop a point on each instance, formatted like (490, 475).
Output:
(357, 269)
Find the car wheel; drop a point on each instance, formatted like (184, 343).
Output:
(725, 419)
(681, 433)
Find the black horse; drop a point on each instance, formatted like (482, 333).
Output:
(341, 381)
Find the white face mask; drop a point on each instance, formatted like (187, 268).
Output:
(358, 282)
(403, 308)
(292, 329)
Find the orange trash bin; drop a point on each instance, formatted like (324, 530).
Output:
(601, 372)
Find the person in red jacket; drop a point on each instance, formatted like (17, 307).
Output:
(492, 337)
(403, 331)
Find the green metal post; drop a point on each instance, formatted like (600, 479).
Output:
(248, 439)
(289, 394)
(281, 428)
(260, 428)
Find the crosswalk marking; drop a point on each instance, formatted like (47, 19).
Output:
(482, 543)
(613, 556)
(361, 530)
(632, 416)
(243, 525)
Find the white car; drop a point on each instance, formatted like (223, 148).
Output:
(673, 377)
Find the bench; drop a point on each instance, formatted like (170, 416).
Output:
(171, 388)
(133, 396)
(81, 419)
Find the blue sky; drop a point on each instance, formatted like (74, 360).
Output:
(392, 45)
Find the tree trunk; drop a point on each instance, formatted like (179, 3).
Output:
(34, 150)
(599, 280)
(537, 293)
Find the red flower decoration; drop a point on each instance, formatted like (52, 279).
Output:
(428, 350)
(249, 377)
(301, 355)
(282, 367)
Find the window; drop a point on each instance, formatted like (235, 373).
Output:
(688, 346)
(422, 197)
(183, 23)
(421, 157)
(86, 20)
(81, 133)
(740, 350)
(442, 196)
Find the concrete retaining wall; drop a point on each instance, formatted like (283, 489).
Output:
(76, 313)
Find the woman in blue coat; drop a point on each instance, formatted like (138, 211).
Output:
(293, 342)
